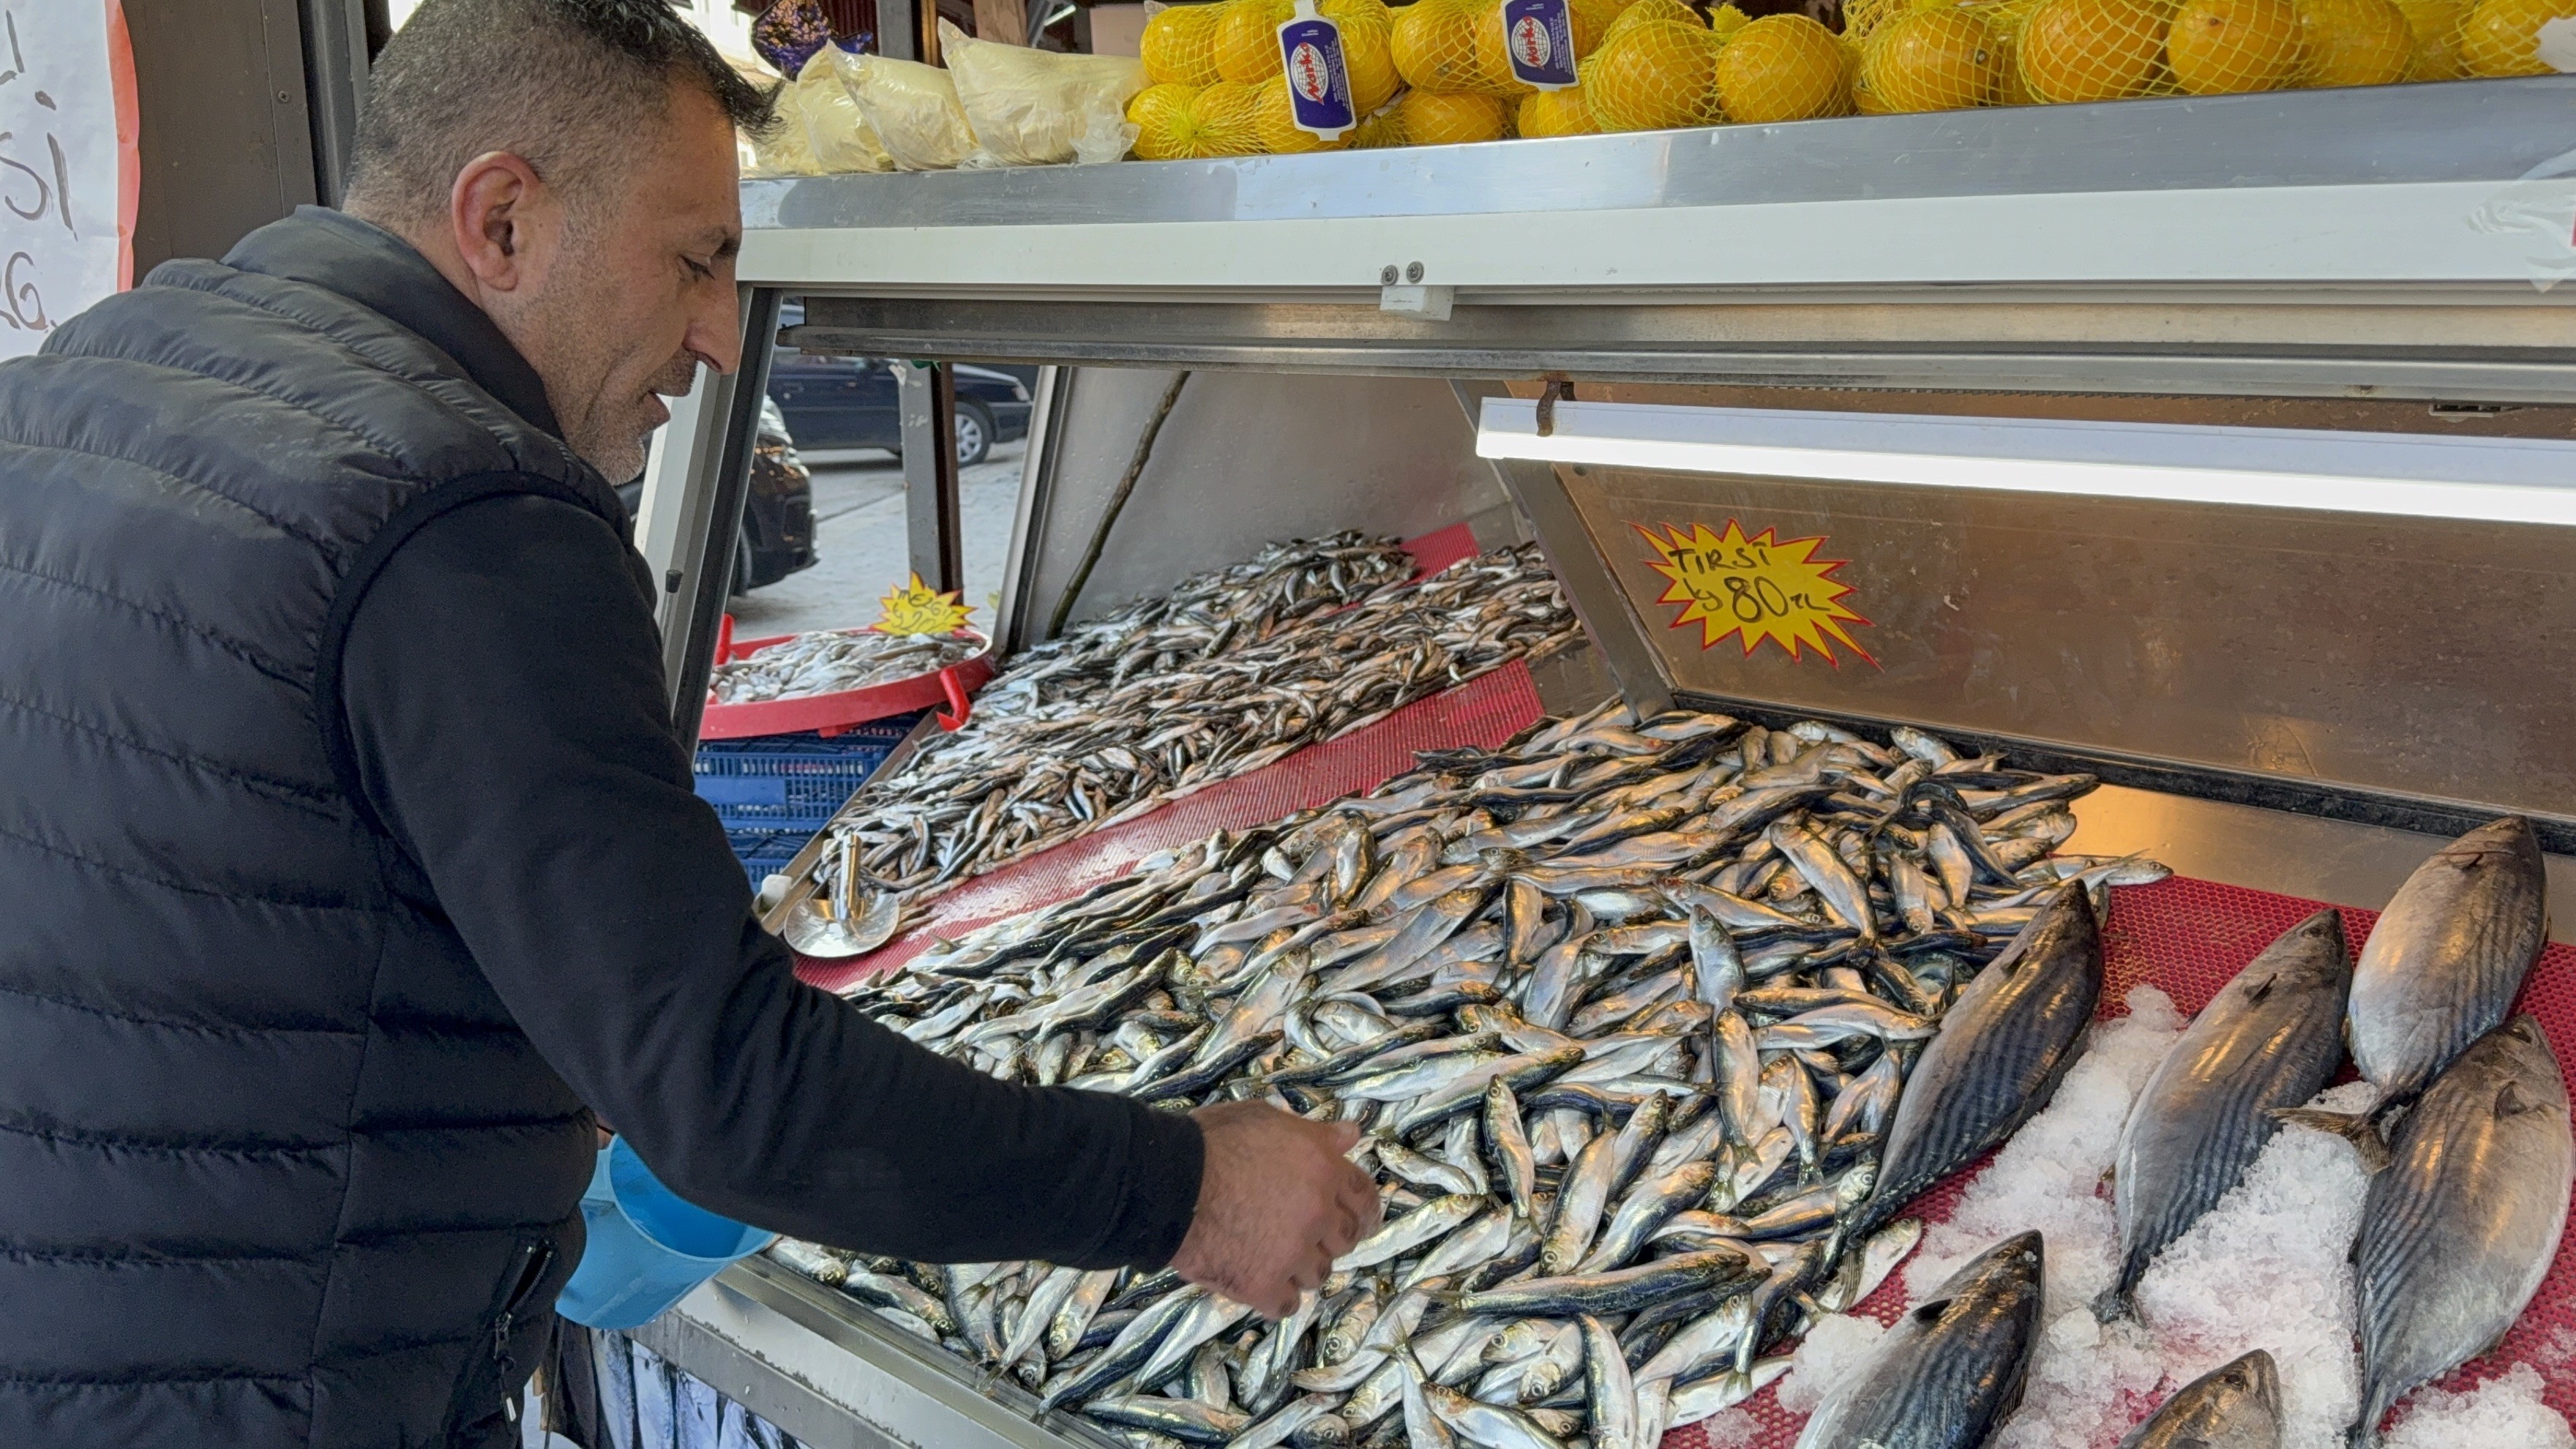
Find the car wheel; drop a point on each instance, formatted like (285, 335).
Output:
(974, 435)
(740, 583)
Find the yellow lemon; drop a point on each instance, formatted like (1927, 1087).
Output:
(1592, 20)
(1931, 60)
(2502, 37)
(1179, 45)
(1274, 123)
(2354, 42)
(1178, 122)
(1247, 39)
(1653, 75)
(2092, 50)
(1645, 10)
(1434, 45)
(2436, 27)
(1440, 118)
(1156, 115)
(2226, 47)
(1556, 113)
(1783, 68)
(1368, 51)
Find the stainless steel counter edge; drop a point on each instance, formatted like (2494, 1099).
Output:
(821, 1367)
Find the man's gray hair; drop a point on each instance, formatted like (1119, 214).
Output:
(573, 87)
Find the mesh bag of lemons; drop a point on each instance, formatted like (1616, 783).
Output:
(1436, 72)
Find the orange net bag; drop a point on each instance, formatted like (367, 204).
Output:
(1179, 45)
(1942, 58)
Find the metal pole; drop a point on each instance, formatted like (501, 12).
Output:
(1594, 593)
(929, 405)
(698, 592)
(335, 82)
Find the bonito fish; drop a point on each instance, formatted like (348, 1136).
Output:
(2271, 1038)
(1951, 1370)
(2236, 1405)
(2448, 956)
(2460, 1228)
(2000, 1052)
(1619, 1113)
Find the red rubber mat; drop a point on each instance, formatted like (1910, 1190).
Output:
(2187, 938)
(1486, 710)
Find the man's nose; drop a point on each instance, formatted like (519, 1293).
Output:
(715, 335)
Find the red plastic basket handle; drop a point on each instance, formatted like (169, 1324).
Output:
(955, 689)
(724, 640)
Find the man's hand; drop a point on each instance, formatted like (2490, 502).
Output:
(1278, 1202)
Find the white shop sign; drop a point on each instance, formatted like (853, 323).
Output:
(68, 168)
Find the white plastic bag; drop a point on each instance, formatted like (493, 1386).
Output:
(912, 108)
(842, 139)
(1041, 108)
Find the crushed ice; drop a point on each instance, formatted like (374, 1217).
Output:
(2267, 1268)
(2503, 1410)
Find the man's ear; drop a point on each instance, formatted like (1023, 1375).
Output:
(490, 212)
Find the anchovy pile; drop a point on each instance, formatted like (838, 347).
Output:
(1230, 671)
(834, 660)
(1625, 1011)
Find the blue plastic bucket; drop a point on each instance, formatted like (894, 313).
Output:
(647, 1248)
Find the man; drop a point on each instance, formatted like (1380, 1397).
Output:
(347, 860)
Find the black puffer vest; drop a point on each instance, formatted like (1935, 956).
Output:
(276, 1168)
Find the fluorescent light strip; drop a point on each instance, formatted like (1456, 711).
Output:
(2500, 480)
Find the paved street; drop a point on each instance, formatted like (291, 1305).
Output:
(861, 550)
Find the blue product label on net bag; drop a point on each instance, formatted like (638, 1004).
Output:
(1319, 81)
(1539, 37)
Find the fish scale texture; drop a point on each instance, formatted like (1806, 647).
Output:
(1486, 710)
(2188, 938)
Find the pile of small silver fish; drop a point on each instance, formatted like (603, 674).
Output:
(834, 660)
(1626, 1011)
(1230, 671)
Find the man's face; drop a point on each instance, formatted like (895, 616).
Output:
(638, 290)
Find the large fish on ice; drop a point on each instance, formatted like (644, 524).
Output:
(1950, 1372)
(2460, 1228)
(2270, 1038)
(2448, 956)
(2236, 1405)
(1998, 1056)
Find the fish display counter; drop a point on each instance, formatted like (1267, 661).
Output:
(1848, 914)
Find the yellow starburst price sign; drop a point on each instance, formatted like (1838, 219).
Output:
(1754, 587)
(917, 608)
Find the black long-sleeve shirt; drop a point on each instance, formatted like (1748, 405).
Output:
(503, 686)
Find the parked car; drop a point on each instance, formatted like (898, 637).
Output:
(849, 402)
(777, 536)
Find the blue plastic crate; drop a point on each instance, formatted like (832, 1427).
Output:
(764, 853)
(780, 782)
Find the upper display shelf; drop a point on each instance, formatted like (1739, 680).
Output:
(2391, 241)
